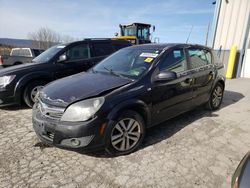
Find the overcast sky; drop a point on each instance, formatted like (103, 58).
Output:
(101, 18)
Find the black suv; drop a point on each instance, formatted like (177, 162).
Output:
(137, 87)
(21, 83)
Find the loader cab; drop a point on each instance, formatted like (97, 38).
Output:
(136, 33)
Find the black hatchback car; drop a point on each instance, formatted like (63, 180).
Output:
(112, 104)
(21, 83)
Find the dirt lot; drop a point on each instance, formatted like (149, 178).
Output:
(197, 149)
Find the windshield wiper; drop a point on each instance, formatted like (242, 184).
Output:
(112, 72)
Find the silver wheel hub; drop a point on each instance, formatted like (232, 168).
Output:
(34, 92)
(125, 134)
(217, 96)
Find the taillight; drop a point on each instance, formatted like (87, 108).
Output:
(1, 60)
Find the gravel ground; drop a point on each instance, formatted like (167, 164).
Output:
(197, 149)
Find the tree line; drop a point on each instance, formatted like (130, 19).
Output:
(45, 37)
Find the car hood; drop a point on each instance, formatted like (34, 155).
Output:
(80, 86)
(16, 68)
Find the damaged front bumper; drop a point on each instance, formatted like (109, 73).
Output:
(71, 135)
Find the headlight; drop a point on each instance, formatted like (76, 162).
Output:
(83, 110)
(5, 80)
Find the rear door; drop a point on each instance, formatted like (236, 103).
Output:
(101, 49)
(172, 97)
(203, 70)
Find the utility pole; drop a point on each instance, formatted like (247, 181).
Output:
(189, 34)
(207, 33)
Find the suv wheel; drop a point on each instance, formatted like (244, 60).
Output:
(216, 97)
(30, 92)
(126, 134)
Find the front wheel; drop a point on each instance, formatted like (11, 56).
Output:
(216, 97)
(126, 134)
(30, 92)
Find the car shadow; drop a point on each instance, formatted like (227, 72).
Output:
(170, 127)
(15, 108)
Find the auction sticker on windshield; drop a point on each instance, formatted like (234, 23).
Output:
(149, 59)
(152, 55)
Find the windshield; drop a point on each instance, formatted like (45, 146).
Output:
(48, 54)
(131, 63)
(129, 31)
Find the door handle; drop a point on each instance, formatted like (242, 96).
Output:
(188, 80)
(211, 73)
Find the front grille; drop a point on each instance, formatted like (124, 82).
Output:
(49, 111)
(50, 135)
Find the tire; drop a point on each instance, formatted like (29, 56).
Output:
(216, 97)
(119, 142)
(30, 92)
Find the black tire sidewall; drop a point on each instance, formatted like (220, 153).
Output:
(27, 91)
(125, 114)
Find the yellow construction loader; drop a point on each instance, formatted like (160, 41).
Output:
(136, 33)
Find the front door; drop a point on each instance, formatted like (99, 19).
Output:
(78, 60)
(172, 97)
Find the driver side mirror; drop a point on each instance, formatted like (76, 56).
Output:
(165, 76)
(62, 58)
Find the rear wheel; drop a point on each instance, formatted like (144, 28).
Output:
(215, 97)
(126, 134)
(30, 92)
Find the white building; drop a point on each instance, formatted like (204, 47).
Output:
(231, 26)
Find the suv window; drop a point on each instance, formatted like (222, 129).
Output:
(78, 52)
(37, 52)
(25, 52)
(174, 61)
(15, 52)
(102, 49)
(198, 58)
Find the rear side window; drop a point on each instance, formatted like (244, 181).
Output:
(102, 49)
(78, 52)
(175, 61)
(198, 58)
(25, 52)
(15, 52)
(208, 56)
(37, 52)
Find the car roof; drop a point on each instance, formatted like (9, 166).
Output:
(164, 46)
(97, 40)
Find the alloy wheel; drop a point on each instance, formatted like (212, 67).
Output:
(125, 134)
(34, 91)
(217, 96)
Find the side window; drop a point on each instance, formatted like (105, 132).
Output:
(174, 61)
(197, 57)
(103, 49)
(208, 56)
(15, 52)
(25, 52)
(78, 52)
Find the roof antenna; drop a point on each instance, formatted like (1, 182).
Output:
(189, 34)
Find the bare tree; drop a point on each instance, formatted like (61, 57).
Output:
(44, 38)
